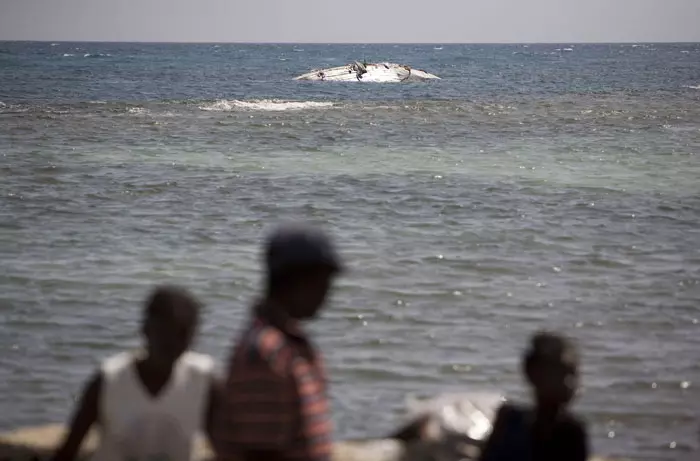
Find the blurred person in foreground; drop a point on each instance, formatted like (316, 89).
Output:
(150, 403)
(275, 401)
(549, 431)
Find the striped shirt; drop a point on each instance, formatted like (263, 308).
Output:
(274, 398)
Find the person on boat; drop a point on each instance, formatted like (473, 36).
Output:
(150, 403)
(275, 401)
(549, 431)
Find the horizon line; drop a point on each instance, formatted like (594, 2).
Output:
(234, 42)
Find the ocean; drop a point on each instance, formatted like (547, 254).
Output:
(534, 186)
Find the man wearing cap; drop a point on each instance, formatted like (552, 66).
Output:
(275, 402)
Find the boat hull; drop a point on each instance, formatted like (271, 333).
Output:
(368, 73)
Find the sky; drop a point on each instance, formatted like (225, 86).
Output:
(353, 21)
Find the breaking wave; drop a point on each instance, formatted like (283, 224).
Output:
(267, 105)
(137, 111)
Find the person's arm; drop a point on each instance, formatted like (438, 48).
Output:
(492, 445)
(258, 412)
(84, 417)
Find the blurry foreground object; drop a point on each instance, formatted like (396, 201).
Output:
(448, 427)
(451, 427)
(40, 442)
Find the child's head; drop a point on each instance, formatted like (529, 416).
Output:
(551, 367)
(170, 320)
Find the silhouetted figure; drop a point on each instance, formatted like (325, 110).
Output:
(549, 432)
(275, 398)
(150, 403)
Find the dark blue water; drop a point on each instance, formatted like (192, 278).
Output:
(73, 72)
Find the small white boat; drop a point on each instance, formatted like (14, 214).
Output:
(383, 72)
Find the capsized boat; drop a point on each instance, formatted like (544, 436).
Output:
(383, 72)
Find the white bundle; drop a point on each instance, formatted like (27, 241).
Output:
(456, 425)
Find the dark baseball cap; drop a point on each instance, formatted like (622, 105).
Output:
(296, 245)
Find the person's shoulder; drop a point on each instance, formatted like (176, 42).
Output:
(263, 345)
(116, 363)
(510, 414)
(265, 340)
(511, 409)
(198, 362)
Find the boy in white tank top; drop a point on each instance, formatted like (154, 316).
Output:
(149, 404)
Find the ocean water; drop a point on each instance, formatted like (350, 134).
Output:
(540, 186)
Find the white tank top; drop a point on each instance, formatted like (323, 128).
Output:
(134, 426)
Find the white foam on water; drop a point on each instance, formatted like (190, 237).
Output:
(137, 111)
(693, 87)
(66, 55)
(266, 105)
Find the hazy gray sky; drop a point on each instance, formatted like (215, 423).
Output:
(358, 21)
